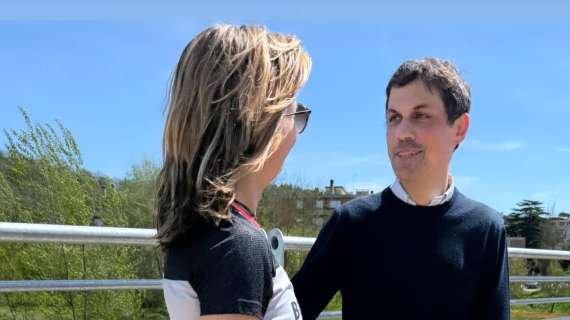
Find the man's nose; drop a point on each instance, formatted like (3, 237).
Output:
(405, 131)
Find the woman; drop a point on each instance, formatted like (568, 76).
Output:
(232, 119)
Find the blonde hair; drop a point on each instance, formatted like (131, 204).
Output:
(226, 103)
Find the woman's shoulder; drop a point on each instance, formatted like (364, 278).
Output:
(232, 241)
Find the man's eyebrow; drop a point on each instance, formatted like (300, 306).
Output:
(416, 108)
(421, 106)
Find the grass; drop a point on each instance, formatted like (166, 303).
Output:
(524, 315)
(517, 313)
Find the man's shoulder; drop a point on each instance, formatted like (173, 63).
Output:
(478, 211)
(361, 207)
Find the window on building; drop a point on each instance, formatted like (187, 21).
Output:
(319, 204)
(335, 204)
(299, 204)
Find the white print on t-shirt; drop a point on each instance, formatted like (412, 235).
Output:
(283, 304)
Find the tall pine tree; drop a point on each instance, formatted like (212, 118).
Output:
(525, 221)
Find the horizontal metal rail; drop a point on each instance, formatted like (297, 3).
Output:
(305, 244)
(330, 315)
(50, 233)
(77, 285)
(298, 243)
(540, 300)
(539, 279)
(539, 254)
(73, 285)
(156, 284)
(338, 314)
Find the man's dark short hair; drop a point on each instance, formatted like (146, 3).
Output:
(439, 75)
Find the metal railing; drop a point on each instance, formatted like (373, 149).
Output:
(45, 233)
(77, 285)
(51, 233)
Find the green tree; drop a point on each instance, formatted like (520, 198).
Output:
(525, 221)
(138, 189)
(43, 181)
(289, 208)
(528, 221)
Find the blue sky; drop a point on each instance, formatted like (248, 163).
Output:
(105, 78)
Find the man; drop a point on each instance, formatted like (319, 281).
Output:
(419, 249)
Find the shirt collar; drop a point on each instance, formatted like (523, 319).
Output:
(399, 191)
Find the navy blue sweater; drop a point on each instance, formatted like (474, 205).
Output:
(392, 260)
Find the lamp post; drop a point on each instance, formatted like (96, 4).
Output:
(96, 220)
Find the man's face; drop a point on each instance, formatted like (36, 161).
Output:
(420, 139)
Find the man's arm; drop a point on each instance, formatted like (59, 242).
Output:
(495, 298)
(319, 278)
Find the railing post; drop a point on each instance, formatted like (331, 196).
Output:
(277, 245)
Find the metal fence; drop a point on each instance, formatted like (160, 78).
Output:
(45, 233)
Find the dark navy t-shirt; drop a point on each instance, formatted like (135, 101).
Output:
(227, 269)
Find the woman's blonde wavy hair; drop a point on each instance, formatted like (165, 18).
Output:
(226, 102)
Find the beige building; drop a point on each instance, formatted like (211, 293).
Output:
(563, 225)
(331, 198)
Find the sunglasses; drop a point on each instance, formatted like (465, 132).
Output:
(301, 117)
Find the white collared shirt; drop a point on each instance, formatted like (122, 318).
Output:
(399, 191)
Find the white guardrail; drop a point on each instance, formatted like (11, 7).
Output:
(46, 233)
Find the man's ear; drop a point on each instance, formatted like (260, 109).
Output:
(461, 125)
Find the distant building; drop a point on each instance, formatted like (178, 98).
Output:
(331, 198)
(563, 224)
